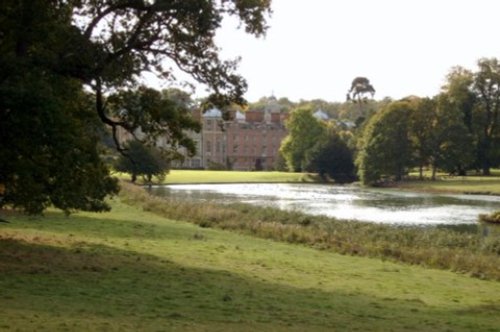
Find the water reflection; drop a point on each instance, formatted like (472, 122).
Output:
(346, 202)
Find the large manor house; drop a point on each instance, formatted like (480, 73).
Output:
(248, 141)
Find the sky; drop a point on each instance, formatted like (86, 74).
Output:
(314, 49)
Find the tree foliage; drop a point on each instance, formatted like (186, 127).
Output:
(360, 86)
(156, 116)
(486, 86)
(134, 36)
(304, 130)
(439, 136)
(331, 156)
(454, 132)
(459, 94)
(142, 160)
(453, 145)
(48, 147)
(60, 61)
(48, 129)
(423, 131)
(474, 97)
(386, 148)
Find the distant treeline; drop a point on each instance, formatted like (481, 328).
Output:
(455, 131)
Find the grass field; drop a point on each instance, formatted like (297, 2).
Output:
(130, 270)
(206, 176)
(471, 184)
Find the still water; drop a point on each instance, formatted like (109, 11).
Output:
(346, 202)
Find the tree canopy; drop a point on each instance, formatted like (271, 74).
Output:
(62, 60)
(142, 160)
(456, 131)
(474, 100)
(386, 149)
(303, 132)
(486, 86)
(360, 86)
(331, 156)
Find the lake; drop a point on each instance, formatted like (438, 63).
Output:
(346, 202)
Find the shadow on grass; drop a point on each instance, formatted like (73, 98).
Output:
(94, 287)
(91, 226)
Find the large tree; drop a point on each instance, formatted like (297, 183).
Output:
(423, 129)
(136, 36)
(48, 135)
(385, 146)
(475, 97)
(459, 94)
(48, 127)
(439, 136)
(142, 160)
(61, 59)
(159, 118)
(453, 143)
(360, 87)
(487, 113)
(304, 130)
(331, 156)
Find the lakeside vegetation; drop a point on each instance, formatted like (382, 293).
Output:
(134, 270)
(467, 252)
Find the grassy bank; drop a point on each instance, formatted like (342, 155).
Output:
(470, 253)
(470, 185)
(131, 270)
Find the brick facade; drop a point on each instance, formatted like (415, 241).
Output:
(250, 141)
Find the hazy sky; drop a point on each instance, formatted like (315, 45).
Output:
(313, 49)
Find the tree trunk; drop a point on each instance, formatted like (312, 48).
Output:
(484, 158)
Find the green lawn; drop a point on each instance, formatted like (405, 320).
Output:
(203, 176)
(206, 176)
(462, 184)
(132, 270)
